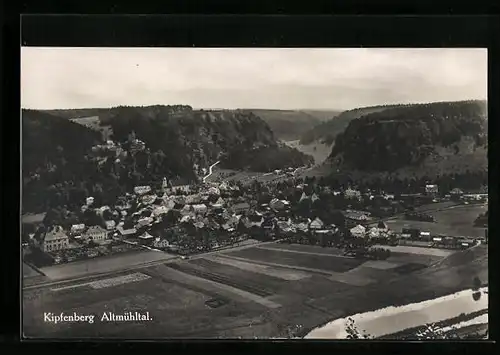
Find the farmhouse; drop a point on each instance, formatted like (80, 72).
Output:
(96, 233)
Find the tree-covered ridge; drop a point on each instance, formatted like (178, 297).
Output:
(62, 161)
(327, 131)
(408, 135)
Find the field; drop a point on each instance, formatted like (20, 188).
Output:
(312, 261)
(245, 177)
(28, 271)
(103, 264)
(264, 291)
(31, 218)
(456, 221)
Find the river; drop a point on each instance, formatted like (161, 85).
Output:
(394, 319)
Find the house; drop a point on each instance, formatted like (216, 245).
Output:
(146, 221)
(200, 209)
(89, 200)
(352, 194)
(148, 199)
(126, 233)
(431, 189)
(186, 210)
(137, 145)
(160, 210)
(314, 198)
(303, 197)
(169, 203)
(77, 228)
(96, 233)
(141, 190)
(358, 231)
(276, 204)
(382, 225)
(193, 199)
(316, 224)
(214, 191)
(255, 220)
(185, 219)
(240, 207)
(160, 243)
(374, 232)
(220, 202)
(146, 238)
(110, 225)
(223, 186)
(425, 236)
(55, 239)
(199, 225)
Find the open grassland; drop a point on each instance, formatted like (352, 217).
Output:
(453, 221)
(256, 299)
(314, 261)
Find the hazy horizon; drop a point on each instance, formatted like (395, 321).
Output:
(320, 79)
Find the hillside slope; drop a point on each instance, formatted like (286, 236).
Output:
(326, 132)
(433, 138)
(58, 153)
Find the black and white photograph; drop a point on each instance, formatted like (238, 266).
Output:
(254, 193)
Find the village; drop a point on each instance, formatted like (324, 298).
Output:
(217, 214)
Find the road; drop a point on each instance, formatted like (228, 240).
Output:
(210, 171)
(138, 267)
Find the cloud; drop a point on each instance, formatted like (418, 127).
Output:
(248, 77)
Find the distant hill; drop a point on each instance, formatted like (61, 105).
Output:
(325, 132)
(432, 139)
(291, 124)
(180, 141)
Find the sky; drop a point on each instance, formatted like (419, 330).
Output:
(269, 78)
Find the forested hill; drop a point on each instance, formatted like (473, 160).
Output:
(326, 132)
(443, 137)
(58, 154)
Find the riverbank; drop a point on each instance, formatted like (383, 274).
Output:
(392, 320)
